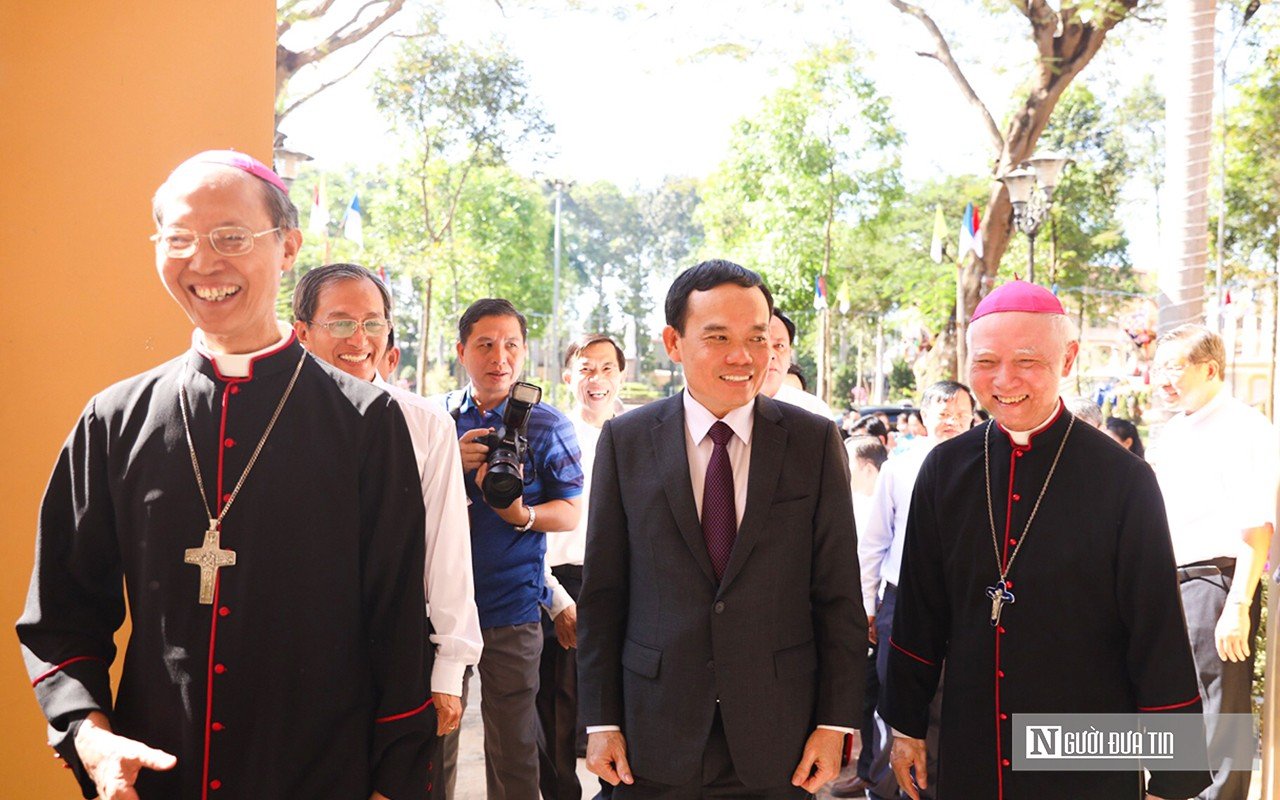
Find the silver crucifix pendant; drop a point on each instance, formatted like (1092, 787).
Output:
(999, 595)
(210, 557)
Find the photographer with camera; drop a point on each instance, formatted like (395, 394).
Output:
(521, 460)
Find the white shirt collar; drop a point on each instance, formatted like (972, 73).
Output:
(699, 420)
(1023, 438)
(236, 365)
(1207, 410)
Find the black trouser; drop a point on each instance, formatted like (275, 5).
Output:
(1225, 686)
(558, 729)
(718, 779)
(869, 701)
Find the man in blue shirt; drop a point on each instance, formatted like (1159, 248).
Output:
(508, 544)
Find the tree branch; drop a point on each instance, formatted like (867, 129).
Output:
(289, 109)
(342, 37)
(943, 56)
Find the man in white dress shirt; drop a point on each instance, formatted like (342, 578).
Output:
(1217, 463)
(947, 411)
(593, 366)
(342, 315)
(782, 337)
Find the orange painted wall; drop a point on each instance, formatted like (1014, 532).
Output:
(98, 101)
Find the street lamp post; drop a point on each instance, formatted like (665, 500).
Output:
(288, 163)
(1030, 188)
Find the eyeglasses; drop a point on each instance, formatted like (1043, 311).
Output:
(345, 328)
(1172, 370)
(964, 418)
(232, 240)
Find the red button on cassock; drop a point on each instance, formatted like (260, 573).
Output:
(1000, 673)
(235, 389)
(215, 784)
(222, 612)
(1013, 541)
(219, 668)
(218, 726)
(1004, 716)
(1004, 761)
(1017, 497)
(1001, 629)
(229, 442)
(1018, 454)
(226, 498)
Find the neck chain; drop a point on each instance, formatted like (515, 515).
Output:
(999, 593)
(210, 557)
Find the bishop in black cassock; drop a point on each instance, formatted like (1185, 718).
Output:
(1095, 624)
(306, 674)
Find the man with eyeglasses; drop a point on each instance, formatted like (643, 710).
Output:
(342, 314)
(1218, 462)
(946, 408)
(508, 545)
(261, 513)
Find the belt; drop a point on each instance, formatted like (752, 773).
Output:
(1207, 569)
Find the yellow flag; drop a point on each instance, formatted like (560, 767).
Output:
(939, 231)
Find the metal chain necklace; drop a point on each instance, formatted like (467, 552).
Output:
(999, 593)
(210, 557)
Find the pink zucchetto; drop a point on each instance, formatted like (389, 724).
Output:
(240, 161)
(1018, 295)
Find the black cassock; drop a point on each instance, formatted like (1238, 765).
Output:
(1096, 625)
(307, 675)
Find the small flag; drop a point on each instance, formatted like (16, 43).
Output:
(969, 227)
(842, 295)
(819, 292)
(319, 222)
(939, 233)
(353, 223)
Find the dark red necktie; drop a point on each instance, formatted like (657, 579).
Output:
(719, 516)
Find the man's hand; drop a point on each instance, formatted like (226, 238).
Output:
(906, 754)
(1232, 631)
(871, 629)
(448, 712)
(473, 453)
(113, 762)
(607, 757)
(820, 761)
(567, 627)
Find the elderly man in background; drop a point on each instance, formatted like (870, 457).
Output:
(1218, 462)
(342, 315)
(946, 409)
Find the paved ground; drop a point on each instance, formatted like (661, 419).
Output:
(471, 759)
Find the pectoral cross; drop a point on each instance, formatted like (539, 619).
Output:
(209, 558)
(999, 595)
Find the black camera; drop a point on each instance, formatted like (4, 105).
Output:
(507, 445)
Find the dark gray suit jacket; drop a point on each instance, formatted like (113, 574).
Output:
(780, 642)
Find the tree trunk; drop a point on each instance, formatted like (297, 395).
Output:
(424, 337)
(1188, 121)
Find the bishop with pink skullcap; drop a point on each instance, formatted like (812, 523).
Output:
(1019, 295)
(1037, 567)
(261, 518)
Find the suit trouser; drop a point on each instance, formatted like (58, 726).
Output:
(558, 704)
(718, 779)
(508, 689)
(870, 699)
(880, 779)
(1225, 686)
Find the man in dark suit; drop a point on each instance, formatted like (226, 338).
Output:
(721, 632)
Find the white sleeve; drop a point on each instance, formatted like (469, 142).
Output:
(560, 597)
(448, 581)
(874, 543)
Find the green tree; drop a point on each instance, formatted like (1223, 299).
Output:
(461, 109)
(819, 159)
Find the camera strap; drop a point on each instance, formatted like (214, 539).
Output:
(453, 403)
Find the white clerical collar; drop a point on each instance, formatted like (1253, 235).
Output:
(237, 365)
(699, 420)
(1023, 438)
